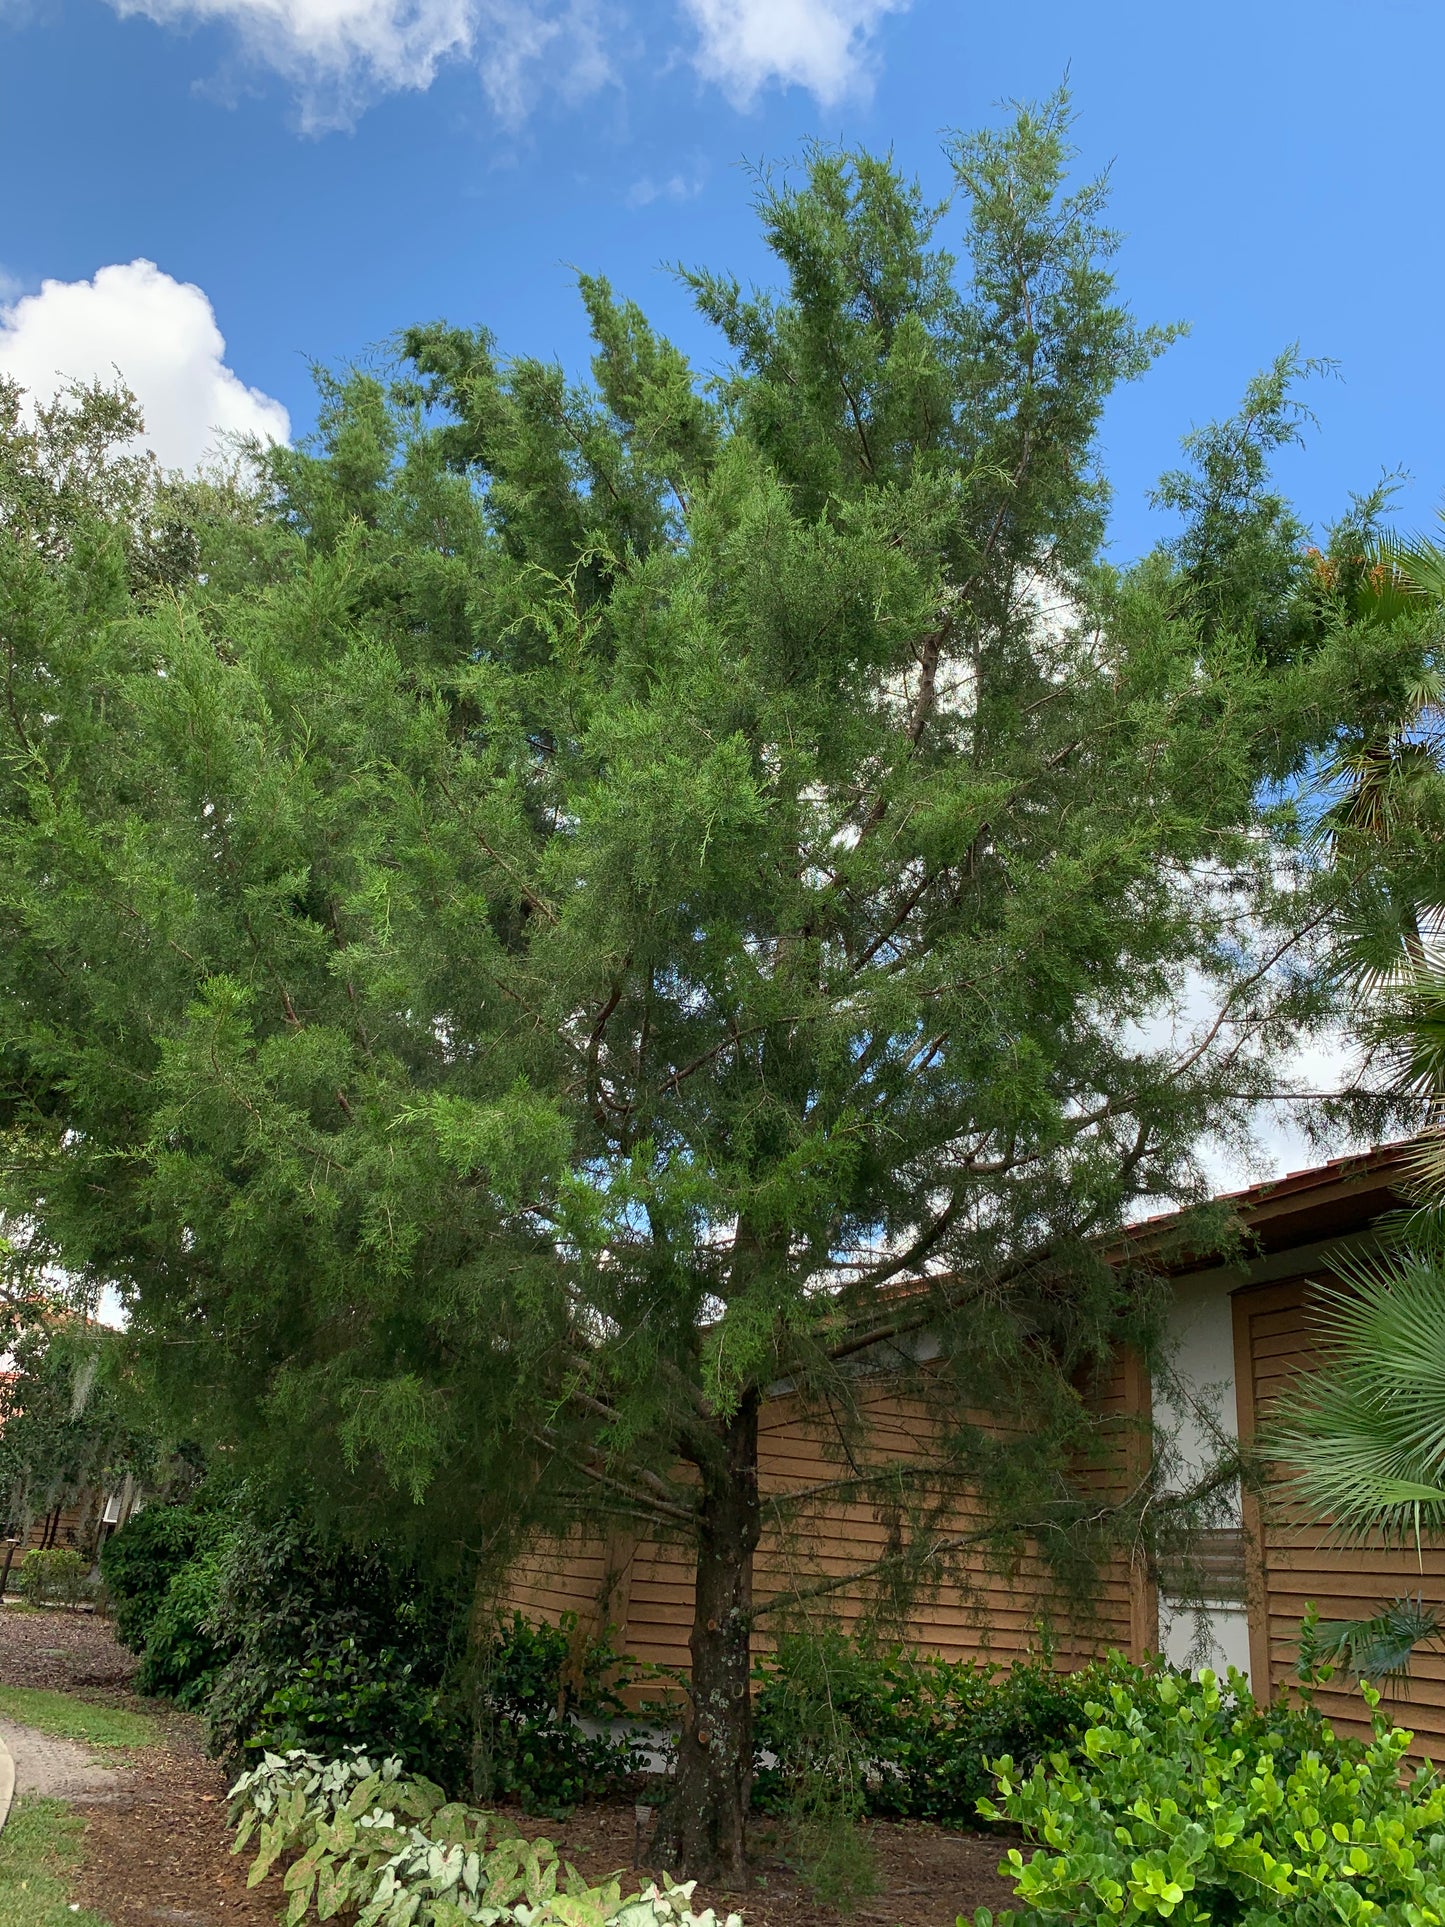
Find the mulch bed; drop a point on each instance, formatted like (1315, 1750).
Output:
(160, 1851)
(61, 1651)
(927, 1875)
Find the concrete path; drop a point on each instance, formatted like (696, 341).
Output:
(43, 1765)
(7, 1780)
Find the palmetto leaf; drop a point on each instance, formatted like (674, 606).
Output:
(1364, 1439)
(1380, 1647)
(1407, 1492)
(1373, 788)
(1407, 1031)
(1414, 562)
(1379, 773)
(1426, 1165)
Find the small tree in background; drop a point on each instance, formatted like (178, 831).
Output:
(68, 1433)
(594, 899)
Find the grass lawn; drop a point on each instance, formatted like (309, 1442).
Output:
(66, 1718)
(40, 1843)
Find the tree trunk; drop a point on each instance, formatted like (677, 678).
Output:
(702, 1832)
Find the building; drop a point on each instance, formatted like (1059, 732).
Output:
(1240, 1333)
(83, 1525)
(1243, 1334)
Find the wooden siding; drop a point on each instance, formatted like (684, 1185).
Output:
(1292, 1564)
(643, 1587)
(74, 1529)
(79, 1527)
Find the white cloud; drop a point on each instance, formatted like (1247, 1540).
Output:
(522, 45)
(339, 54)
(677, 187)
(160, 335)
(823, 45)
(1322, 1066)
(333, 51)
(1273, 1136)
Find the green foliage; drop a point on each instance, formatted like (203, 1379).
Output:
(912, 1736)
(361, 1836)
(69, 1718)
(59, 466)
(1377, 1648)
(1362, 1442)
(182, 1654)
(284, 1635)
(1187, 1802)
(70, 1424)
(1363, 1439)
(1241, 551)
(1381, 793)
(1365, 1436)
(352, 1696)
(337, 1645)
(57, 1575)
(163, 1573)
(833, 1855)
(534, 1685)
(139, 1562)
(560, 830)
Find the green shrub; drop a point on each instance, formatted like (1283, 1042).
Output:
(57, 1575)
(393, 1852)
(335, 1646)
(1188, 1803)
(535, 1685)
(139, 1562)
(181, 1655)
(162, 1571)
(899, 1735)
(351, 1696)
(285, 1637)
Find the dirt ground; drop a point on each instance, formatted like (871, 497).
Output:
(161, 1851)
(62, 1651)
(926, 1875)
(157, 1849)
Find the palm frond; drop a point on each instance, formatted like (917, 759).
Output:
(1380, 1647)
(1405, 1032)
(1363, 1440)
(1374, 937)
(1416, 561)
(1425, 1165)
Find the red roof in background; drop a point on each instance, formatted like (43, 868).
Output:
(1324, 1201)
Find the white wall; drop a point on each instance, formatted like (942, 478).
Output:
(1225, 1629)
(1199, 1418)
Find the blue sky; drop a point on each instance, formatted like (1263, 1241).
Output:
(326, 171)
